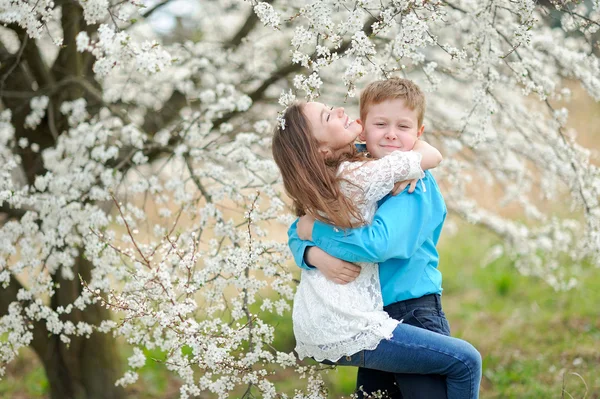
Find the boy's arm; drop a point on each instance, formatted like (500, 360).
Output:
(401, 225)
(307, 256)
(298, 246)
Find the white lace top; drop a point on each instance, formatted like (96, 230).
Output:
(332, 320)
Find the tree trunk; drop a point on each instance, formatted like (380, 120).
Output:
(87, 368)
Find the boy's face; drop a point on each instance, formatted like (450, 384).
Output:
(390, 126)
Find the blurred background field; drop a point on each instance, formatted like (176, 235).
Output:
(535, 342)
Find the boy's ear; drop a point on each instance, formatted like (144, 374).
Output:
(361, 136)
(420, 131)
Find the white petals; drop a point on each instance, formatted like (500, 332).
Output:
(267, 14)
(38, 108)
(173, 206)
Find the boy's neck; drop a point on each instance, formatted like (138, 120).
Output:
(362, 147)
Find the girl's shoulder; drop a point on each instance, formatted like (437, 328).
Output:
(351, 166)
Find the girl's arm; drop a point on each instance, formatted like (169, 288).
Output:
(431, 157)
(370, 181)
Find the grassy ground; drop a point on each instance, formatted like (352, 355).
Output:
(535, 342)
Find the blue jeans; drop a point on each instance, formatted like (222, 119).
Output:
(424, 312)
(416, 351)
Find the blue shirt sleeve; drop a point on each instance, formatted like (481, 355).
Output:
(298, 246)
(400, 227)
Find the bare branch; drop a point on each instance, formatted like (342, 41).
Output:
(251, 22)
(155, 7)
(149, 12)
(11, 213)
(157, 120)
(197, 181)
(14, 65)
(454, 7)
(33, 57)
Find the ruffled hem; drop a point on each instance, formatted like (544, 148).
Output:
(366, 340)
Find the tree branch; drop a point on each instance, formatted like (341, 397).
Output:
(69, 62)
(11, 213)
(32, 55)
(284, 71)
(149, 12)
(155, 121)
(249, 25)
(197, 181)
(10, 70)
(255, 95)
(454, 7)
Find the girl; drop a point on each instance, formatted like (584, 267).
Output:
(327, 179)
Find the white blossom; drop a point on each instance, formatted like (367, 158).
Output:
(267, 14)
(38, 109)
(157, 171)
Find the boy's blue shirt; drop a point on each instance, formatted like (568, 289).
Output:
(402, 238)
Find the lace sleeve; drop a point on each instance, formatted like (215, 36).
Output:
(373, 180)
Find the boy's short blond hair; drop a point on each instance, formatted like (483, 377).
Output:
(393, 89)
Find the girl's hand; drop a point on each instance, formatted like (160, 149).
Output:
(305, 227)
(401, 185)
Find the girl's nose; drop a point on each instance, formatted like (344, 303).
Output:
(390, 136)
(340, 111)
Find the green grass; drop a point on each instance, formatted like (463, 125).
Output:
(532, 338)
(25, 378)
(534, 341)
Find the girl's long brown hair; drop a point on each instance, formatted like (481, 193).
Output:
(310, 180)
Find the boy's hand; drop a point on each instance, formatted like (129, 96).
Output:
(401, 185)
(305, 227)
(334, 269)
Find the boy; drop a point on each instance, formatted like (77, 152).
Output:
(402, 237)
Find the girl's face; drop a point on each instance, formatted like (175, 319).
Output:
(332, 128)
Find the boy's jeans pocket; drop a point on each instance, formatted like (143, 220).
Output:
(429, 319)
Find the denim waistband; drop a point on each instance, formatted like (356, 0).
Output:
(426, 301)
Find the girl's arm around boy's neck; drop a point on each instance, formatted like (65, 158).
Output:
(431, 157)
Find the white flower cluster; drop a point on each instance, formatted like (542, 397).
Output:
(159, 191)
(76, 111)
(117, 50)
(310, 85)
(285, 100)
(29, 15)
(7, 130)
(267, 14)
(38, 109)
(94, 10)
